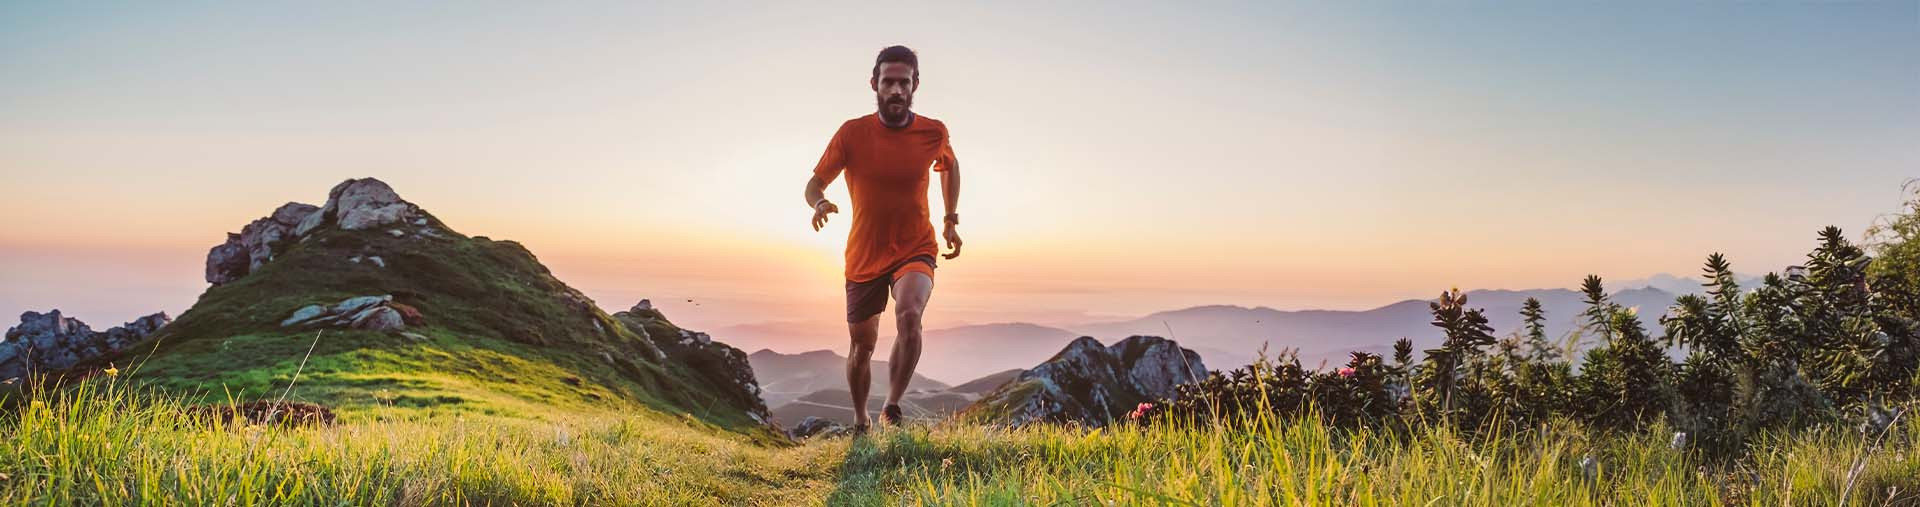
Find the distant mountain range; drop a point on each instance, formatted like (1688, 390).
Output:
(1228, 336)
(813, 384)
(786, 377)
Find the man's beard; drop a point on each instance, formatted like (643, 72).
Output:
(891, 118)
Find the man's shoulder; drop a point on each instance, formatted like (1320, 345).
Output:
(931, 122)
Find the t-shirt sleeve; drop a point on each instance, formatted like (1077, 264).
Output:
(946, 159)
(834, 159)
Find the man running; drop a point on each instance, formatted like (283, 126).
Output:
(890, 248)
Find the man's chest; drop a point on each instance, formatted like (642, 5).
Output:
(896, 157)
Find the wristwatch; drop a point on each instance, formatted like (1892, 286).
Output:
(953, 219)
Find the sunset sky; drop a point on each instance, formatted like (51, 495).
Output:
(1118, 159)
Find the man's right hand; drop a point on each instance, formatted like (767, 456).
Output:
(820, 212)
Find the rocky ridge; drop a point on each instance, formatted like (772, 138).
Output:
(47, 342)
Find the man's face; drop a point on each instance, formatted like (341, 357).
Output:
(893, 89)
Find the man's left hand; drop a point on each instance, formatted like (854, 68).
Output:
(953, 241)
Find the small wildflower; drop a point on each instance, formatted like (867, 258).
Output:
(1140, 411)
(111, 371)
(1346, 372)
(946, 463)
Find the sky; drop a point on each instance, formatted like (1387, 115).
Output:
(1118, 158)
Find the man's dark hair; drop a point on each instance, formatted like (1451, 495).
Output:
(897, 54)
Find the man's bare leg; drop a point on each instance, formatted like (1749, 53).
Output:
(859, 361)
(910, 295)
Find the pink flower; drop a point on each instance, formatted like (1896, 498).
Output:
(1140, 411)
(1346, 372)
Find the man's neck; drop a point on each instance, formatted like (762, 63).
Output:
(903, 123)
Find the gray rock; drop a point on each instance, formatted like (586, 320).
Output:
(355, 304)
(643, 305)
(245, 252)
(813, 426)
(366, 203)
(396, 232)
(380, 318)
(228, 261)
(1156, 365)
(304, 314)
(377, 261)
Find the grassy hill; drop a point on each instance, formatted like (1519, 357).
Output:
(497, 335)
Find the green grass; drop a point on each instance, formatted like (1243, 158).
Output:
(104, 442)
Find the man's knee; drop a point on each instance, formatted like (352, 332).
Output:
(908, 317)
(864, 344)
(864, 335)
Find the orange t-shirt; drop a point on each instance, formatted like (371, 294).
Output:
(887, 177)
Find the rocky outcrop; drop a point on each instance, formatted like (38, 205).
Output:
(51, 342)
(355, 204)
(253, 246)
(372, 313)
(360, 204)
(717, 363)
(1092, 385)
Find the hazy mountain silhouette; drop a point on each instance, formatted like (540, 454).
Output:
(1229, 336)
(786, 377)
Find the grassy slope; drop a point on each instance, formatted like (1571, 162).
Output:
(504, 337)
(97, 444)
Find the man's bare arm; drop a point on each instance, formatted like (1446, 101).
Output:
(817, 199)
(950, 192)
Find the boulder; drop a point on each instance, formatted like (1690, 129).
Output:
(360, 204)
(372, 313)
(813, 426)
(379, 318)
(305, 313)
(354, 305)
